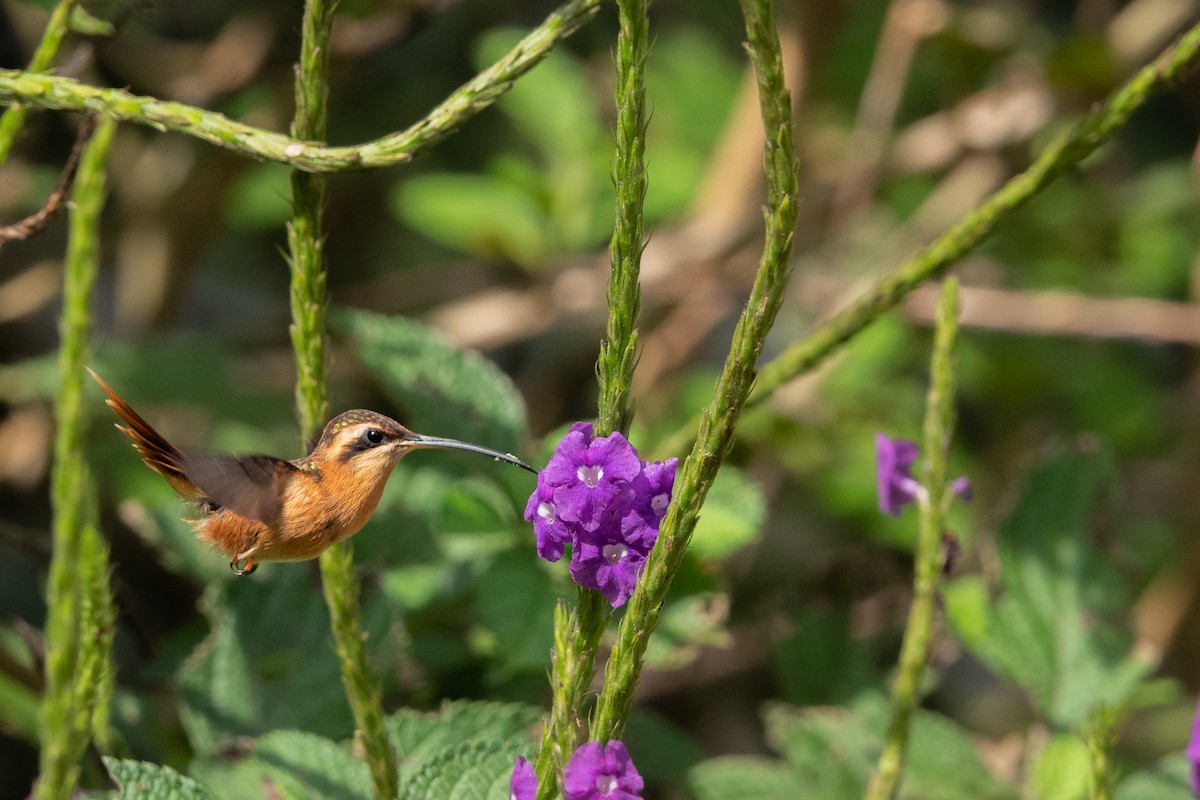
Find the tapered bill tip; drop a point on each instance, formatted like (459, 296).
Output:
(417, 440)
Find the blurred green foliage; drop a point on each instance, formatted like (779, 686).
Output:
(782, 627)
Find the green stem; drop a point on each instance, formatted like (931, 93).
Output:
(56, 29)
(918, 632)
(79, 606)
(618, 353)
(577, 635)
(310, 302)
(716, 431)
(46, 91)
(1060, 158)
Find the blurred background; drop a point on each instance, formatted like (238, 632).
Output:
(1080, 331)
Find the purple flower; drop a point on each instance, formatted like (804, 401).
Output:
(652, 490)
(552, 533)
(588, 474)
(601, 772)
(1193, 753)
(961, 486)
(610, 558)
(523, 784)
(893, 473)
(599, 497)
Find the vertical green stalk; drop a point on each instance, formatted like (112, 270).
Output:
(618, 353)
(577, 635)
(56, 28)
(79, 606)
(716, 430)
(310, 302)
(918, 632)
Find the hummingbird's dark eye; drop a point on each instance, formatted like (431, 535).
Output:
(374, 436)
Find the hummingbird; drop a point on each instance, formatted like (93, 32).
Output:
(257, 508)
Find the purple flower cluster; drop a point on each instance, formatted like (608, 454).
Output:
(897, 487)
(596, 772)
(598, 496)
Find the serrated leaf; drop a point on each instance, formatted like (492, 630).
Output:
(270, 645)
(419, 737)
(478, 769)
(1051, 630)
(749, 778)
(446, 390)
(139, 780)
(732, 518)
(312, 766)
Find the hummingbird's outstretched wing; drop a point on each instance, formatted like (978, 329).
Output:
(247, 485)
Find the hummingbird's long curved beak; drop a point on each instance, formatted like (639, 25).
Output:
(416, 440)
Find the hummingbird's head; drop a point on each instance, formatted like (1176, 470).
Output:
(372, 441)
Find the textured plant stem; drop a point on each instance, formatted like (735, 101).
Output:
(577, 634)
(46, 91)
(310, 301)
(618, 353)
(927, 569)
(716, 430)
(1059, 158)
(79, 605)
(13, 118)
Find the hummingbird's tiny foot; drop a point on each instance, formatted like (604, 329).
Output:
(243, 566)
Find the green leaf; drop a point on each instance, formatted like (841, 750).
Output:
(942, 760)
(1166, 780)
(515, 598)
(312, 766)
(1062, 768)
(732, 518)
(480, 214)
(829, 748)
(477, 769)
(750, 778)
(1052, 630)
(270, 645)
(139, 780)
(944, 764)
(419, 738)
(446, 390)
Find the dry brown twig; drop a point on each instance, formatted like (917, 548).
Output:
(36, 222)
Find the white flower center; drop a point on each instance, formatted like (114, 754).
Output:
(546, 511)
(659, 502)
(613, 552)
(606, 783)
(590, 475)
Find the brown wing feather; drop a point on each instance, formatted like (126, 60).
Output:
(159, 454)
(247, 485)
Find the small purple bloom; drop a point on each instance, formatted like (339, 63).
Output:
(893, 473)
(961, 486)
(610, 558)
(552, 533)
(652, 490)
(1193, 753)
(587, 475)
(523, 784)
(601, 772)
